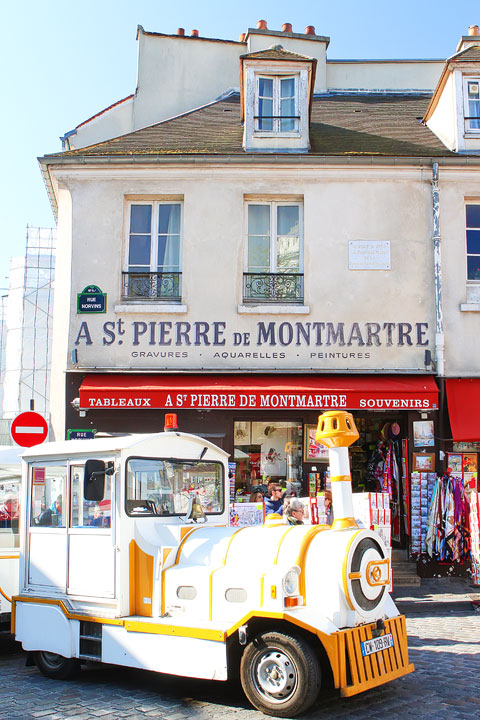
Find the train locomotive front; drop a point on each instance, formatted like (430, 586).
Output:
(290, 609)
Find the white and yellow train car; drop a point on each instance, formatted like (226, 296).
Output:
(127, 558)
(10, 480)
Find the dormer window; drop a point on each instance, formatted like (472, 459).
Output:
(277, 87)
(472, 104)
(276, 104)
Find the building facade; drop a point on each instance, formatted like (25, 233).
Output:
(259, 234)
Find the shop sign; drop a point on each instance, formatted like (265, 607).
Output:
(124, 399)
(91, 300)
(80, 434)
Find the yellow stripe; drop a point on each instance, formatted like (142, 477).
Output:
(344, 523)
(66, 612)
(5, 596)
(341, 478)
(262, 583)
(177, 630)
(344, 569)
(9, 557)
(306, 540)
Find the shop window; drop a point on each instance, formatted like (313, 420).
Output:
(88, 513)
(473, 242)
(48, 500)
(274, 253)
(153, 252)
(168, 487)
(9, 506)
(472, 104)
(265, 451)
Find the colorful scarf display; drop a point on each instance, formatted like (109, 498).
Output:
(448, 528)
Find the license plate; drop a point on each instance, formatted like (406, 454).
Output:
(377, 644)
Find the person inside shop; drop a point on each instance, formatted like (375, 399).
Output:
(274, 503)
(256, 495)
(328, 507)
(295, 511)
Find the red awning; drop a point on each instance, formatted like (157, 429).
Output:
(259, 392)
(463, 398)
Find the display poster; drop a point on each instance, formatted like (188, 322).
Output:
(423, 433)
(243, 514)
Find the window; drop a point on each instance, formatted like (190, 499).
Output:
(473, 242)
(48, 495)
(472, 104)
(89, 513)
(153, 262)
(274, 265)
(9, 513)
(164, 487)
(277, 110)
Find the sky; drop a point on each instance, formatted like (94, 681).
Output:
(62, 62)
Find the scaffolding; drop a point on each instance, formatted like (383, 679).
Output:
(27, 327)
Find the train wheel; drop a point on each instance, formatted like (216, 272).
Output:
(55, 666)
(280, 674)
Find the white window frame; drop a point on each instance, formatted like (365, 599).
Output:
(274, 204)
(153, 233)
(466, 104)
(467, 254)
(276, 130)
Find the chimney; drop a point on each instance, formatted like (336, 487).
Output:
(194, 33)
(310, 30)
(242, 37)
(470, 40)
(473, 30)
(287, 27)
(181, 31)
(337, 430)
(262, 25)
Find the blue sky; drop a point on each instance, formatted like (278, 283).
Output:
(63, 62)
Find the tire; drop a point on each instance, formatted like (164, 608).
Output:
(280, 674)
(56, 666)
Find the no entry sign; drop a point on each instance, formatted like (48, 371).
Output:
(29, 429)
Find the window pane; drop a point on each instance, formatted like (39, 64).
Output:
(89, 513)
(9, 506)
(265, 87)
(287, 88)
(473, 241)
(287, 220)
(259, 219)
(169, 253)
(48, 493)
(164, 487)
(140, 218)
(168, 219)
(473, 216)
(288, 253)
(259, 254)
(265, 108)
(139, 250)
(473, 267)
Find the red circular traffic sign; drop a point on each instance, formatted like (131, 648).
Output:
(29, 429)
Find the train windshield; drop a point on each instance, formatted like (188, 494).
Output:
(164, 487)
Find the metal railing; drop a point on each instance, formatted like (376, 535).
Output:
(273, 288)
(152, 286)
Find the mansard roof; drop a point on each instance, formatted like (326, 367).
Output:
(342, 124)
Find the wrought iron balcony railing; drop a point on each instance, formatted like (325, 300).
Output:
(273, 288)
(152, 286)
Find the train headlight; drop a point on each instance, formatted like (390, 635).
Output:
(290, 581)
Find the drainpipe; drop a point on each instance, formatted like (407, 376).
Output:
(437, 264)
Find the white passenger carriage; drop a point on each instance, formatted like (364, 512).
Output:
(10, 480)
(127, 558)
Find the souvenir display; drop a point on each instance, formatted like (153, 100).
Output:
(448, 529)
(422, 487)
(475, 537)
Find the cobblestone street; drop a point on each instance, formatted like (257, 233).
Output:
(446, 683)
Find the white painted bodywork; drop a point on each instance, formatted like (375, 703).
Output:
(231, 574)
